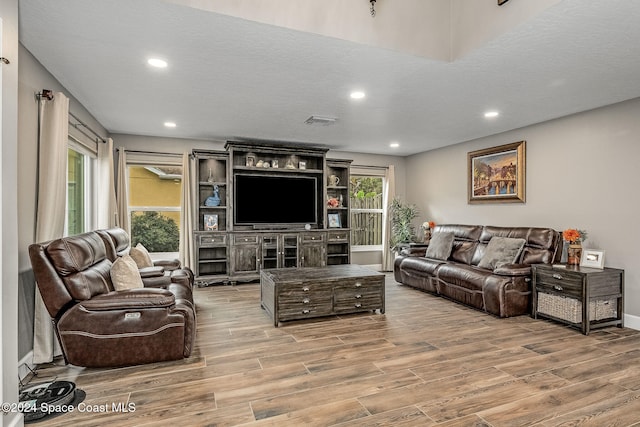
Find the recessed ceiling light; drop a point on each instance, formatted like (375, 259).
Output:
(357, 94)
(491, 114)
(394, 144)
(157, 62)
(170, 124)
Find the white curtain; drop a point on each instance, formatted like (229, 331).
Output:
(122, 192)
(51, 207)
(107, 206)
(388, 196)
(187, 247)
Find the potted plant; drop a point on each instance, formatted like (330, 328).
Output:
(402, 230)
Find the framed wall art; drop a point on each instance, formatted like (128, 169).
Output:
(497, 174)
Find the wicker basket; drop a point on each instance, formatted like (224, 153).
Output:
(570, 309)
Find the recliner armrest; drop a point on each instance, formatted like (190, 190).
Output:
(155, 271)
(168, 264)
(421, 251)
(513, 270)
(139, 299)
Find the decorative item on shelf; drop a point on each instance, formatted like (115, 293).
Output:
(334, 180)
(250, 160)
(210, 179)
(211, 222)
(302, 165)
(340, 201)
(334, 221)
(260, 164)
(427, 228)
(574, 238)
(274, 163)
(289, 164)
(215, 199)
(332, 202)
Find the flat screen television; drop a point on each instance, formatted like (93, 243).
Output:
(264, 200)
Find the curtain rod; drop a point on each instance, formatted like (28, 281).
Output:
(80, 124)
(370, 167)
(47, 94)
(155, 153)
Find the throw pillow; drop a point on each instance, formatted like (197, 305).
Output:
(500, 251)
(440, 245)
(141, 256)
(125, 274)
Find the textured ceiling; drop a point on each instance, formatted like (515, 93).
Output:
(232, 78)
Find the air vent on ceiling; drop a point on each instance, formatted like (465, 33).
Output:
(320, 121)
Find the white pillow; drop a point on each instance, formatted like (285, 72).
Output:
(125, 274)
(141, 256)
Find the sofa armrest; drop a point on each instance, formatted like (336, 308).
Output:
(138, 299)
(513, 270)
(418, 252)
(167, 264)
(147, 272)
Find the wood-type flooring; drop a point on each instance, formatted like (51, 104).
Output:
(426, 362)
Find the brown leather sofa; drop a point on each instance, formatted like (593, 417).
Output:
(503, 291)
(100, 327)
(162, 273)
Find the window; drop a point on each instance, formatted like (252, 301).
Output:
(154, 206)
(367, 212)
(80, 190)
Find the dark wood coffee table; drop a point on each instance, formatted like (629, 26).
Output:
(303, 293)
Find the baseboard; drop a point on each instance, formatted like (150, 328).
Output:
(631, 321)
(26, 366)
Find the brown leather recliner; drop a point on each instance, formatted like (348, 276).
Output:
(100, 327)
(160, 275)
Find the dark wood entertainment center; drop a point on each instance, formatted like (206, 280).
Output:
(240, 234)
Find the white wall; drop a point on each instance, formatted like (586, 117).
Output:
(582, 172)
(9, 211)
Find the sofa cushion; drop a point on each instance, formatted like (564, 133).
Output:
(440, 245)
(501, 250)
(141, 256)
(125, 274)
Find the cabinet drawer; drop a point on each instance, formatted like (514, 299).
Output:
(313, 237)
(212, 239)
(300, 311)
(240, 239)
(358, 303)
(559, 281)
(360, 285)
(338, 237)
(303, 289)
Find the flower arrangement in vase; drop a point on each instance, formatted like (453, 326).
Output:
(575, 238)
(427, 228)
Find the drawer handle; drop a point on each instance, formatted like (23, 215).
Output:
(558, 288)
(305, 301)
(358, 296)
(305, 289)
(358, 284)
(306, 311)
(358, 305)
(557, 276)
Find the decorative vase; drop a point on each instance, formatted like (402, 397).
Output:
(427, 235)
(574, 253)
(213, 200)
